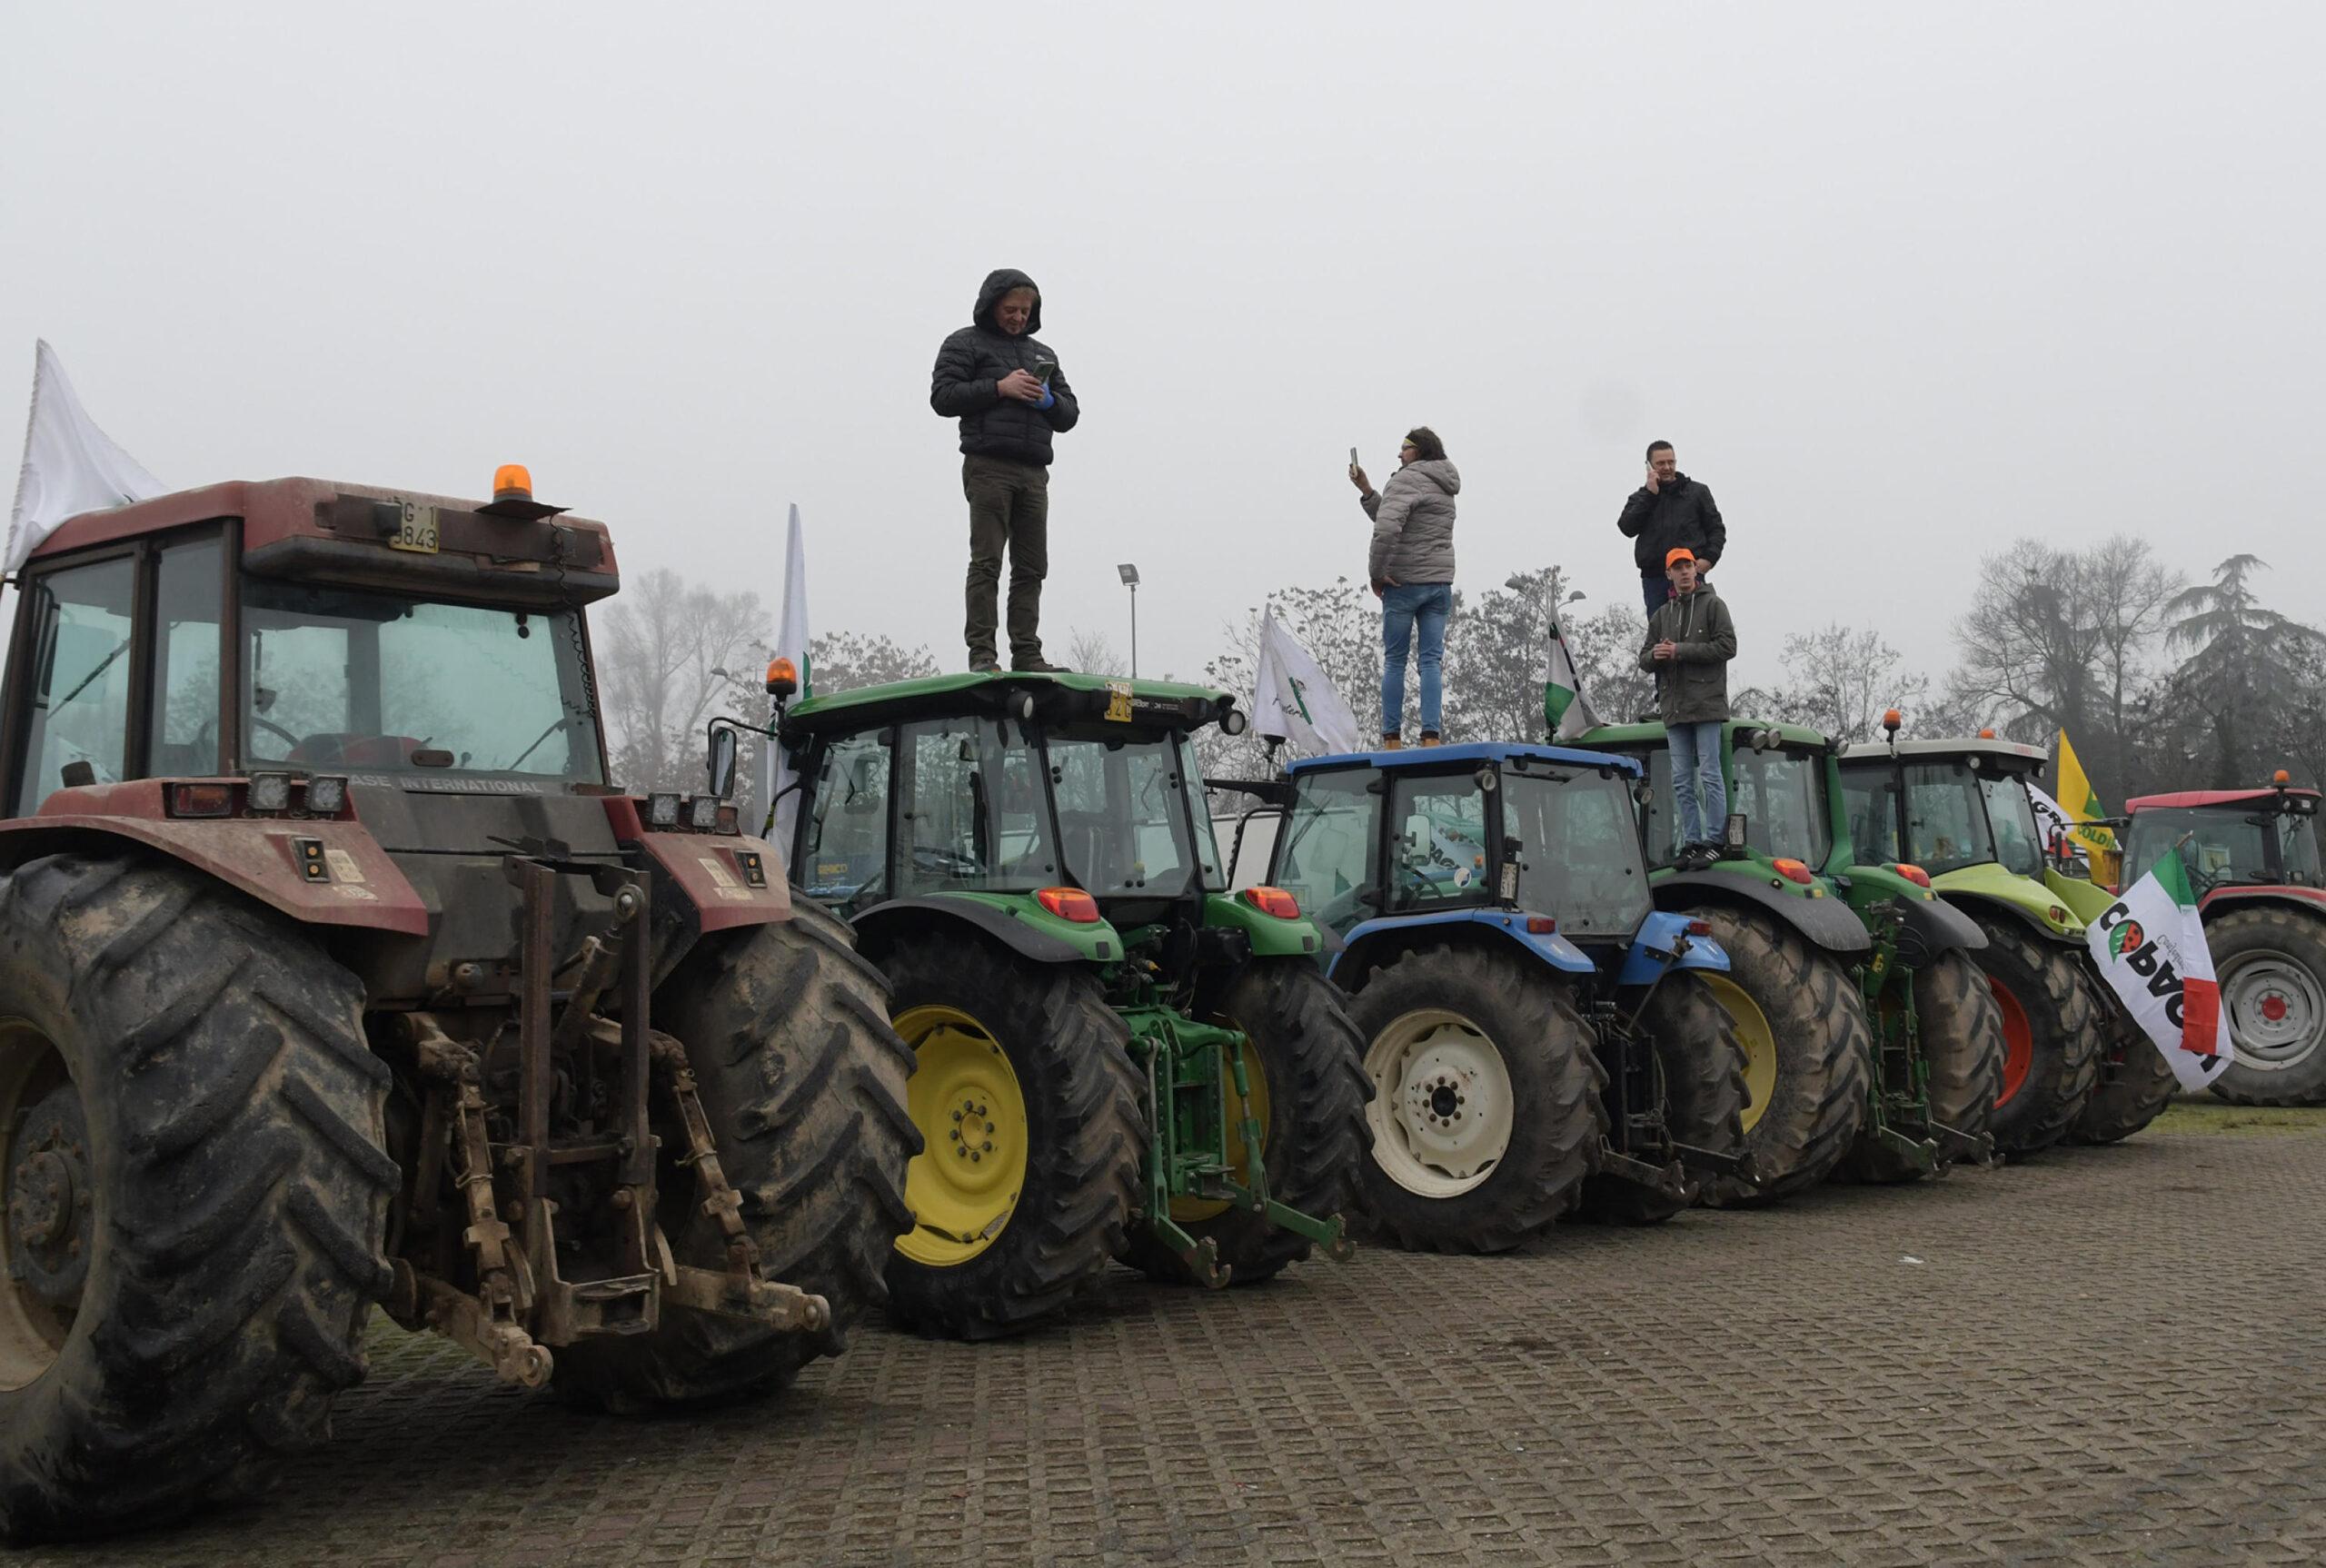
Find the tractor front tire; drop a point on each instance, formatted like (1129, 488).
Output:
(1800, 1007)
(2052, 1035)
(2136, 1083)
(1313, 1138)
(1960, 1028)
(1485, 1114)
(1702, 1064)
(191, 1131)
(2271, 962)
(803, 1083)
(1027, 1063)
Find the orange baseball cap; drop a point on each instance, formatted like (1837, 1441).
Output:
(1681, 553)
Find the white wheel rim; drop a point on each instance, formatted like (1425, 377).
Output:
(1441, 1110)
(2277, 1009)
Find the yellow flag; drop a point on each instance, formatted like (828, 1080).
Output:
(2080, 803)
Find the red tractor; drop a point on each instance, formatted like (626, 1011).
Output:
(2253, 859)
(335, 971)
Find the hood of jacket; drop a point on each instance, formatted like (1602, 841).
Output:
(1440, 472)
(999, 282)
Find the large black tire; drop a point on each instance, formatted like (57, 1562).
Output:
(1961, 1035)
(1315, 1140)
(1085, 1136)
(803, 1083)
(2052, 1034)
(2278, 1061)
(1823, 1055)
(2136, 1083)
(1525, 1015)
(231, 1134)
(1703, 1070)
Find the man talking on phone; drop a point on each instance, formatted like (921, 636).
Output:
(1006, 389)
(1670, 511)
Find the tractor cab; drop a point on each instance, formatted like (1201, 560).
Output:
(2230, 837)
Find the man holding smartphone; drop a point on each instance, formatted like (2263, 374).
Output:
(1006, 389)
(1670, 511)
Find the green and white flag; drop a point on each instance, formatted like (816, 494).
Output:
(1293, 700)
(1567, 713)
(2150, 946)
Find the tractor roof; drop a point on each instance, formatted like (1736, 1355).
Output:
(1434, 757)
(1653, 735)
(317, 530)
(1165, 704)
(2196, 799)
(1969, 745)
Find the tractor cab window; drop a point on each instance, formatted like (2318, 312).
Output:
(1782, 795)
(844, 843)
(380, 683)
(1870, 799)
(2227, 844)
(1946, 817)
(81, 619)
(1125, 814)
(2298, 850)
(189, 593)
(2019, 840)
(1437, 843)
(1324, 848)
(971, 809)
(1207, 835)
(1577, 844)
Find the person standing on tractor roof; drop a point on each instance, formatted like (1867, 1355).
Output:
(1690, 640)
(1411, 568)
(1670, 511)
(1006, 389)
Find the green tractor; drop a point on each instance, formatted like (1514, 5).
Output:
(2074, 1066)
(1116, 1059)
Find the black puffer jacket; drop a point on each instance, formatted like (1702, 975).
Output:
(969, 368)
(1673, 514)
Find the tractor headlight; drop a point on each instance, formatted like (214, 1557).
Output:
(663, 810)
(1234, 722)
(326, 794)
(270, 793)
(702, 814)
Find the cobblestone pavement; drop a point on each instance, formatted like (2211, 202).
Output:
(2112, 1356)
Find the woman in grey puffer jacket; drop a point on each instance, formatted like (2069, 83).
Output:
(1411, 566)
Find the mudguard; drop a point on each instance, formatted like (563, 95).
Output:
(1014, 920)
(1828, 923)
(1548, 947)
(1272, 936)
(1661, 931)
(2311, 900)
(1939, 926)
(1962, 902)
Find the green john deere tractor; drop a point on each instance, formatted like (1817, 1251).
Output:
(2075, 1067)
(1116, 1059)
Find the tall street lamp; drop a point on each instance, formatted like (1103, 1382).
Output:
(1130, 574)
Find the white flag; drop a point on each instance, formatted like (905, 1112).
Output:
(791, 642)
(2051, 821)
(2150, 946)
(1294, 702)
(70, 465)
(1567, 711)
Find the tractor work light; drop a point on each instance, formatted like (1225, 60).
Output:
(1069, 904)
(1892, 718)
(702, 813)
(782, 678)
(729, 820)
(1914, 874)
(661, 810)
(270, 793)
(1273, 901)
(512, 481)
(1234, 722)
(326, 795)
(1791, 869)
(203, 799)
(2281, 777)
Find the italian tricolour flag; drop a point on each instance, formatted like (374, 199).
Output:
(2150, 944)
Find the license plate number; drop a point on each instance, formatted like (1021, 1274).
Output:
(416, 530)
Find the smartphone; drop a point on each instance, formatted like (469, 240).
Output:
(1352, 457)
(1044, 370)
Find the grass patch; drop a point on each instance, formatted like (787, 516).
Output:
(2214, 1116)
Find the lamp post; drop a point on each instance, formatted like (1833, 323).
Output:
(1130, 574)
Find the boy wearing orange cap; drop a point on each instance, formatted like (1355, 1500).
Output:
(1690, 640)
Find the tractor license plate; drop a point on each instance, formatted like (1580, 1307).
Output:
(416, 530)
(1119, 700)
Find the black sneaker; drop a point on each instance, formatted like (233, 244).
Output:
(984, 664)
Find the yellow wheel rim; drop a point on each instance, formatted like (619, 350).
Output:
(964, 1098)
(1187, 1210)
(1760, 1043)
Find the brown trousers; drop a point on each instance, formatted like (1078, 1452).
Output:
(1010, 505)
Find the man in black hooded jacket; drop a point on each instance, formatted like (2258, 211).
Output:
(1670, 511)
(1006, 389)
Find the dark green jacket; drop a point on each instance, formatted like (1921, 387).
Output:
(1693, 687)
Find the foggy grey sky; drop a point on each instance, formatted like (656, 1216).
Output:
(1901, 287)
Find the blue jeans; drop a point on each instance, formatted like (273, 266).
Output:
(1409, 605)
(1656, 590)
(1699, 799)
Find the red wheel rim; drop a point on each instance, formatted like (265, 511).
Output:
(2018, 1042)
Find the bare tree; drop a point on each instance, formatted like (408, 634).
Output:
(663, 671)
(849, 660)
(1841, 679)
(1093, 653)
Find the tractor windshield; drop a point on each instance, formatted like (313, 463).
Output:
(1126, 817)
(1577, 843)
(1782, 796)
(2227, 846)
(2019, 841)
(340, 679)
(1946, 814)
(1324, 850)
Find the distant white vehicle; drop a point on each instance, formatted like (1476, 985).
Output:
(1248, 867)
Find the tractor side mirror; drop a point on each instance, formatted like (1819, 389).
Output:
(1417, 844)
(722, 762)
(866, 777)
(1643, 792)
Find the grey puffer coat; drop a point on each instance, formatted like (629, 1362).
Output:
(1412, 523)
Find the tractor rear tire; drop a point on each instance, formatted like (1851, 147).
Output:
(1702, 1064)
(2136, 1083)
(1076, 1147)
(1313, 1143)
(1823, 1055)
(1960, 1033)
(191, 1131)
(2052, 1035)
(803, 1083)
(2260, 955)
(1442, 1022)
